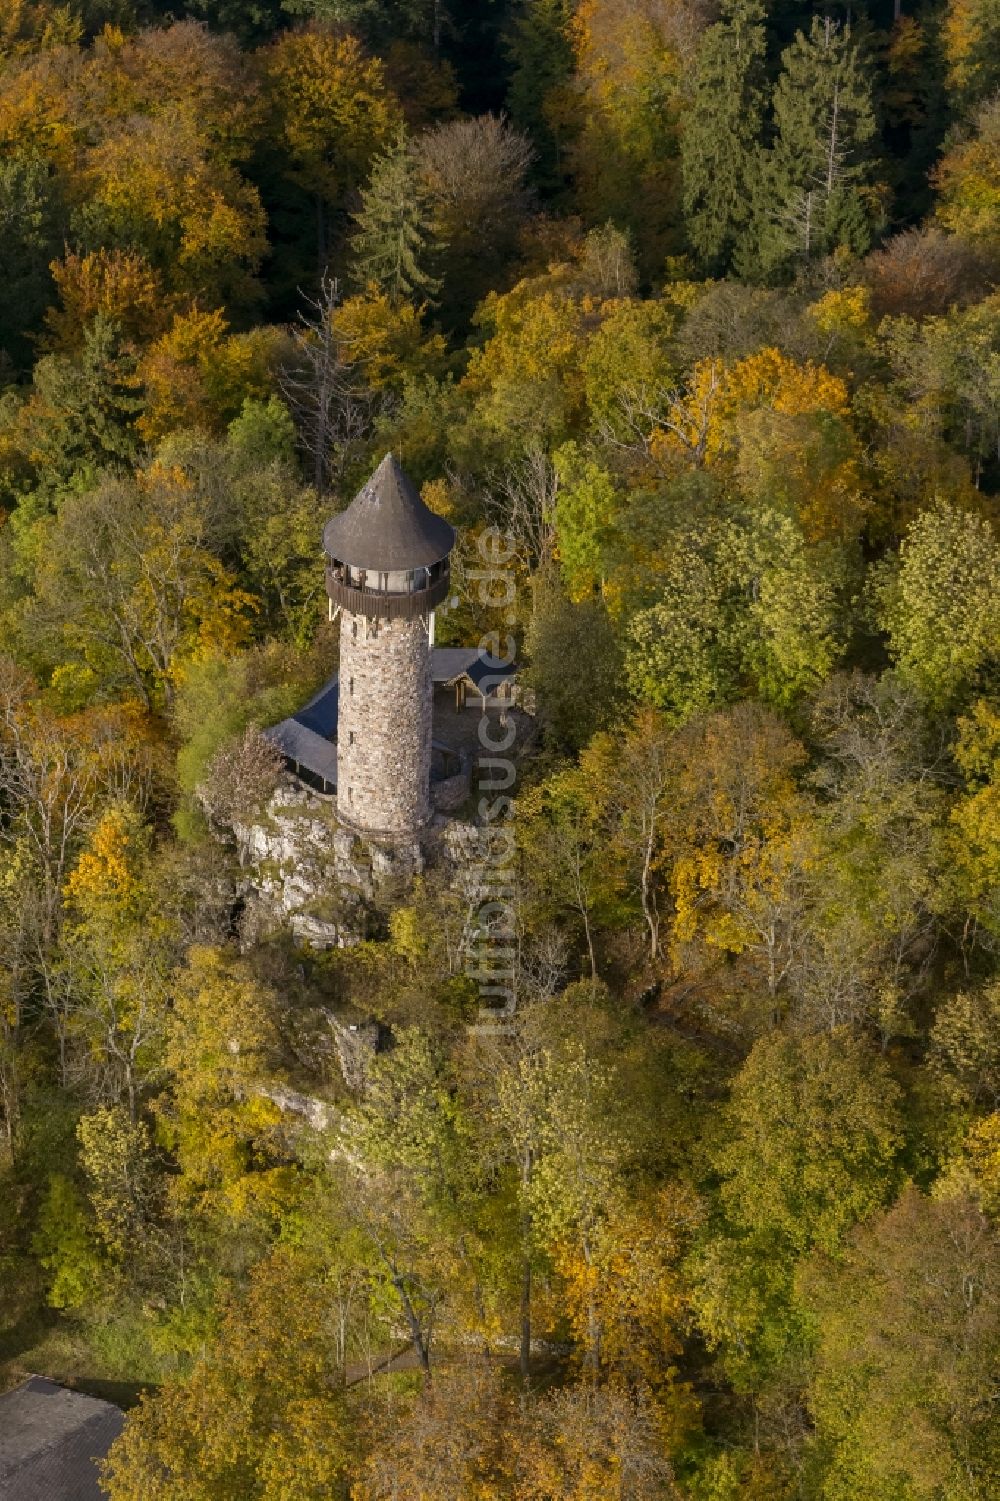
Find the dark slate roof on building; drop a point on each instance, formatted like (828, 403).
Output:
(387, 527)
(50, 1440)
(309, 736)
(449, 663)
(307, 749)
(320, 713)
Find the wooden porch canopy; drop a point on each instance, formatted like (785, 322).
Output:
(462, 667)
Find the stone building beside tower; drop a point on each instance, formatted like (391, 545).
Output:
(387, 570)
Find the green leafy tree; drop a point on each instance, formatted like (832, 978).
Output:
(638, 770)
(253, 21)
(127, 587)
(947, 385)
(221, 696)
(815, 1134)
(908, 1328)
(629, 361)
(381, 21)
(678, 654)
(261, 1415)
(413, 1193)
(393, 238)
(737, 837)
(117, 952)
(974, 842)
(67, 1246)
(115, 1155)
(939, 604)
(221, 1044)
(587, 502)
(572, 707)
(722, 137)
(260, 513)
(965, 1044)
(82, 412)
(559, 830)
(813, 1138)
(740, 600)
(862, 947)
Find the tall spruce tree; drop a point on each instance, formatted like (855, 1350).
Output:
(722, 141)
(30, 234)
(394, 239)
(540, 50)
(816, 192)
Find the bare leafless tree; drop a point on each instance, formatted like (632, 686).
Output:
(475, 173)
(333, 410)
(923, 272)
(639, 792)
(521, 500)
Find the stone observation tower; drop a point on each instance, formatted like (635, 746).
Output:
(387, 569)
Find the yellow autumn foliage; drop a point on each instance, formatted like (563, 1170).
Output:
(198, 374)
(119, 284)
(105, 875)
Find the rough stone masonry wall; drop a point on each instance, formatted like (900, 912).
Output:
(384, 725)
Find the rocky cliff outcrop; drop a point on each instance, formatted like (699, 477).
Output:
(303, 870)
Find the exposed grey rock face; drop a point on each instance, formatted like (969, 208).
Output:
(304, 871)
(356, 1044)
(295, 874)
(384, 727)
(319, 1114)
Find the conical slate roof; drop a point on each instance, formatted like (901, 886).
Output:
(387, 526)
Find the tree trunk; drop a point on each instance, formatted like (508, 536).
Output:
(831, 156)
(525, 1355)
(649, 908)
(590, 940)
(420, 1342)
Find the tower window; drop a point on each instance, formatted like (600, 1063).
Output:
(350, 794)
(350, 687)
(354, 629)
(350, 737)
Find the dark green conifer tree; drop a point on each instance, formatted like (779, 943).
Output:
(817, 190)
(394, 238)
(29, 233)
(722, 141)
(539, 48)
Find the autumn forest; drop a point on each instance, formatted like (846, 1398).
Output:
(691, 309)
